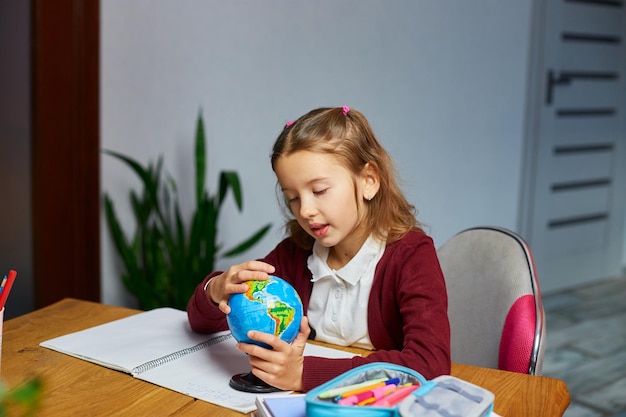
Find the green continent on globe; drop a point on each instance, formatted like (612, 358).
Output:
(256, 287)
(282, 313)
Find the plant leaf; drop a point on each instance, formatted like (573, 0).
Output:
(27, 396)
(248, 243)
(230, 179)
(200, 154)
(142, 173)
(119, 238)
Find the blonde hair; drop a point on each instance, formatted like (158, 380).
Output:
(347, 135)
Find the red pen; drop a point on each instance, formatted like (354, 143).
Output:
(395, 397)
(6, 288)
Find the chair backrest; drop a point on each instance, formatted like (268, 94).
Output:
(495, 309)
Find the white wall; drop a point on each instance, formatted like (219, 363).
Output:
(442, 82)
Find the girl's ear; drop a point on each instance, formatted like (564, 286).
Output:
(371, 180)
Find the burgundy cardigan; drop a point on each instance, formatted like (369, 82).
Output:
(407, 312)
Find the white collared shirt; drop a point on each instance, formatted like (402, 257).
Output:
(338, 306)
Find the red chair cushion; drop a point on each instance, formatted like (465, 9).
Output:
(518, 335)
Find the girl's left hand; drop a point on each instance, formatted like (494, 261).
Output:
(281, 367)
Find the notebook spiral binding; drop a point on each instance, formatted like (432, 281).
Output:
(173, 356)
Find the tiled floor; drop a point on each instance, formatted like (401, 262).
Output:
(586, 347)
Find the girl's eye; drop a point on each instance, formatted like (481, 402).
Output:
(320, 192)
(292, 199)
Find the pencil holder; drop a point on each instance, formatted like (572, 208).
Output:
(324, 401)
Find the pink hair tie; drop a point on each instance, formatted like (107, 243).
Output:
(346, 109)
(289, 123)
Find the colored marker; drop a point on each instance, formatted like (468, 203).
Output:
(369, 387)
(368, 401)
(4, 282)
(6, 288)
(332, 393)
(375, 394)
(395, 397)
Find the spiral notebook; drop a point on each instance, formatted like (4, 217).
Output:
(159, 347)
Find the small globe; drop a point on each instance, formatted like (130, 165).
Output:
(270, 306)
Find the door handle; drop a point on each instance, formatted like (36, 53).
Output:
(553, 81)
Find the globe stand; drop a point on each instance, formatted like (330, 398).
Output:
(248, 382)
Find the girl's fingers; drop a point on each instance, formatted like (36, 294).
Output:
(303, 335)
(224, 307)
(251, 268)
(276, 343)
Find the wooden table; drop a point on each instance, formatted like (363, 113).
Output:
(75, 387)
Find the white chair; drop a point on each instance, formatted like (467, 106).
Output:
(495, 309)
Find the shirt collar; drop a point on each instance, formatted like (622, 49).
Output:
(354, 270)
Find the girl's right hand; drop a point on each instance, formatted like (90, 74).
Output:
(232, 281)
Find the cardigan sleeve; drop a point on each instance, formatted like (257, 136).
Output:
(203, 315)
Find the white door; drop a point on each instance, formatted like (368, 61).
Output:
(575, 186)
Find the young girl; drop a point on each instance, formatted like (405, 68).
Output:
(367, 274)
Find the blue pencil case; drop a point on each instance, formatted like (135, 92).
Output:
(326, 407)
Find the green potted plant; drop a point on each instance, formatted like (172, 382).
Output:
(26, 398)
(166, 258)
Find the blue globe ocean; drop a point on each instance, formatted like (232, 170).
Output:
(270, 306)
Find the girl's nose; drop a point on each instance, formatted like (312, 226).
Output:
(307, 209)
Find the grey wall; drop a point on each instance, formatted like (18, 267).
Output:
(15, 198)
(443, 84)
